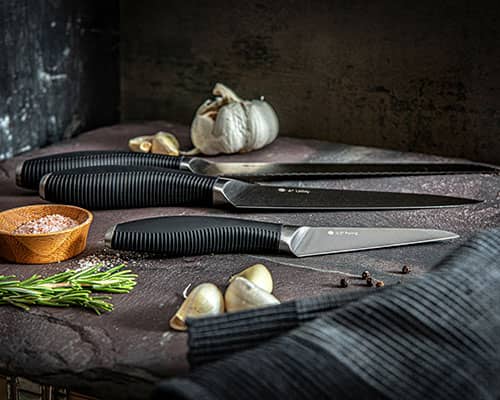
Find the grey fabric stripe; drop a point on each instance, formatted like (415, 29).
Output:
(215, 337)
(436, 337)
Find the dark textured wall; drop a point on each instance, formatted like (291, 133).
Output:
(420, 76)
(58, 70)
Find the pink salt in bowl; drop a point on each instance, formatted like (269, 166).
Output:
(19, 244)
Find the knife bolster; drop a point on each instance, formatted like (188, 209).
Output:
(19, 173)
(287, 235)
(195, 165)
(226, 190)
(108, 236)
(41, 187)
(291, 237)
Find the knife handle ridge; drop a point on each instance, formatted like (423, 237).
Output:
(127, 187)
(195, 235)
(29, 172)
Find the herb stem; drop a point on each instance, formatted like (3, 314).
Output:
(68, 288)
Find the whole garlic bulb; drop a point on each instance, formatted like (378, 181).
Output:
(229, 124)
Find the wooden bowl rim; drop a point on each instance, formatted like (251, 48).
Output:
(87, 221)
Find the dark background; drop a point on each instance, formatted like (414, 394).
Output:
(59, 70)
(418, 76)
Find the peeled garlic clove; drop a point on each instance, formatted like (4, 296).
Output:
(242, 294)
(141, 144)
(169, 136)
(204, 300)
(165, 143)
(145, 146)
(257, 274)
(229, 124)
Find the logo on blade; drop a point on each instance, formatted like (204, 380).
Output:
(343, 233)
(293, 190)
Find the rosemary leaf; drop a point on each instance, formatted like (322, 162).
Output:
(68, 288)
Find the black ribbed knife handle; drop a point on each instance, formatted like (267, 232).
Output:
(184, 236)
(118, 187)
(30, 172)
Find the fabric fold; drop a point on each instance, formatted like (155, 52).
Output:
(435, 337)
(214, 338)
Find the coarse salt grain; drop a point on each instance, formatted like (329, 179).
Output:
(49, 223)
(108, 258)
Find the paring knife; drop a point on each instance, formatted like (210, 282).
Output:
(184, 236)
(128, 187)
(29, 172)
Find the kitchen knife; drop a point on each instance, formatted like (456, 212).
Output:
(128, 187)
(29, 172)
(193, 235)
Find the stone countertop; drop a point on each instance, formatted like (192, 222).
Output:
(123, 353)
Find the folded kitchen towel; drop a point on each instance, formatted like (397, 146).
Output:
(435, 337)
(213, 338)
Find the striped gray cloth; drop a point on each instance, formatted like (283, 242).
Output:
(213, 338)
(436, 337)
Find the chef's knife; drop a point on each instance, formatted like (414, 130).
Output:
(29, 172)
(193, 235)
(128, 187)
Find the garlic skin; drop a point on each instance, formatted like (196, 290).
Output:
(140, 144)
(160, 143)
(204, 300)
(229, 124)
(165, 143)
(242, 294)
(258, 274)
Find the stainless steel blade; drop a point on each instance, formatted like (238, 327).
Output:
(308, 241)
(252, 196)
(327, 170)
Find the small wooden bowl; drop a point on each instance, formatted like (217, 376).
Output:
(42, 248)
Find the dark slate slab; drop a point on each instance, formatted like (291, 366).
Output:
(123, 353)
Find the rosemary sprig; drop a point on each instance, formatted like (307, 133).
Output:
(68, 288)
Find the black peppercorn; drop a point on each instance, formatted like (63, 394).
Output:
(369, 281)
(344, 283)
(405, 269)
(365, 274)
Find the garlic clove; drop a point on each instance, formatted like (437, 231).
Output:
(141, 144)
(165, 143)
(263, 122)
(201, 127)
(259, 275)
(242, 294)
(204, 300)
(225, 93)
(230, 130)
(168, 135)
(145, 146)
